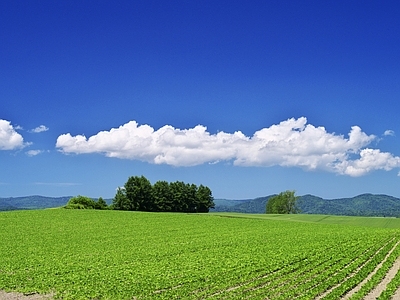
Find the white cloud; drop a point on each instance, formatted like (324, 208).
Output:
(34, 152)
(370, 160)
(39, 129)
(388, 132)
(292, 143)
(9, 138)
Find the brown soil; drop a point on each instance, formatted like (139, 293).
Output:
(375, 293)
(382, 285)
(19, 296)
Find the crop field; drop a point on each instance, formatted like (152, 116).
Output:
(87, 254)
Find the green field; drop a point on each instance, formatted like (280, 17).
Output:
(87, 254)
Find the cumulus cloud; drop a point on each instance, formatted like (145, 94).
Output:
(388, 132)
(39, 129)
(291, 143)
(370, 160)
(9, 138)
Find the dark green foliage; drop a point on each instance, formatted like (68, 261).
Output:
(81, 202)
(205, 200)
(101, 204)
(75, 206)
(138, 194)
(138, 191)
(120, 201)
(162, 196)
(178, 192)
(284, 203)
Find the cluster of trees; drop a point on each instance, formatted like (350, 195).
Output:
(284, 203)
(140, 195)
(82, 202)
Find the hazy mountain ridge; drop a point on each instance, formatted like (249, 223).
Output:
(32, 202)
(35, 202)
(361, 205)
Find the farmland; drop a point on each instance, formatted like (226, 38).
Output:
(89, 254)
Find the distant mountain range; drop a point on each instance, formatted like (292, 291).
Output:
(362, 205)
(32, 202)
(35, 202)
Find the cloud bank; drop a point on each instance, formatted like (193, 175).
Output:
(9, 138)
(291, 143)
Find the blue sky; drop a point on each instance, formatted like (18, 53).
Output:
(250, 98)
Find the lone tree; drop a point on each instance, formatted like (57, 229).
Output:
(284, 203)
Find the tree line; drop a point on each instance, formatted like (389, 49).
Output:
(138, 194)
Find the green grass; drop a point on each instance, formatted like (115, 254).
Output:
(121, 255)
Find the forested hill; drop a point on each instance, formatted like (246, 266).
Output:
(32, 202)
(361, 205)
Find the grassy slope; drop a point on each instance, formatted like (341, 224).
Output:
(119, 255)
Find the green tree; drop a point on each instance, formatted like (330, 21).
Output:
(162, 196)
(81, 202)
(284, 203)
(205, 200)
(120, 201)
(138, 191)
(101, 204)
(139, 194)
(191, 197)
(178, 194)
